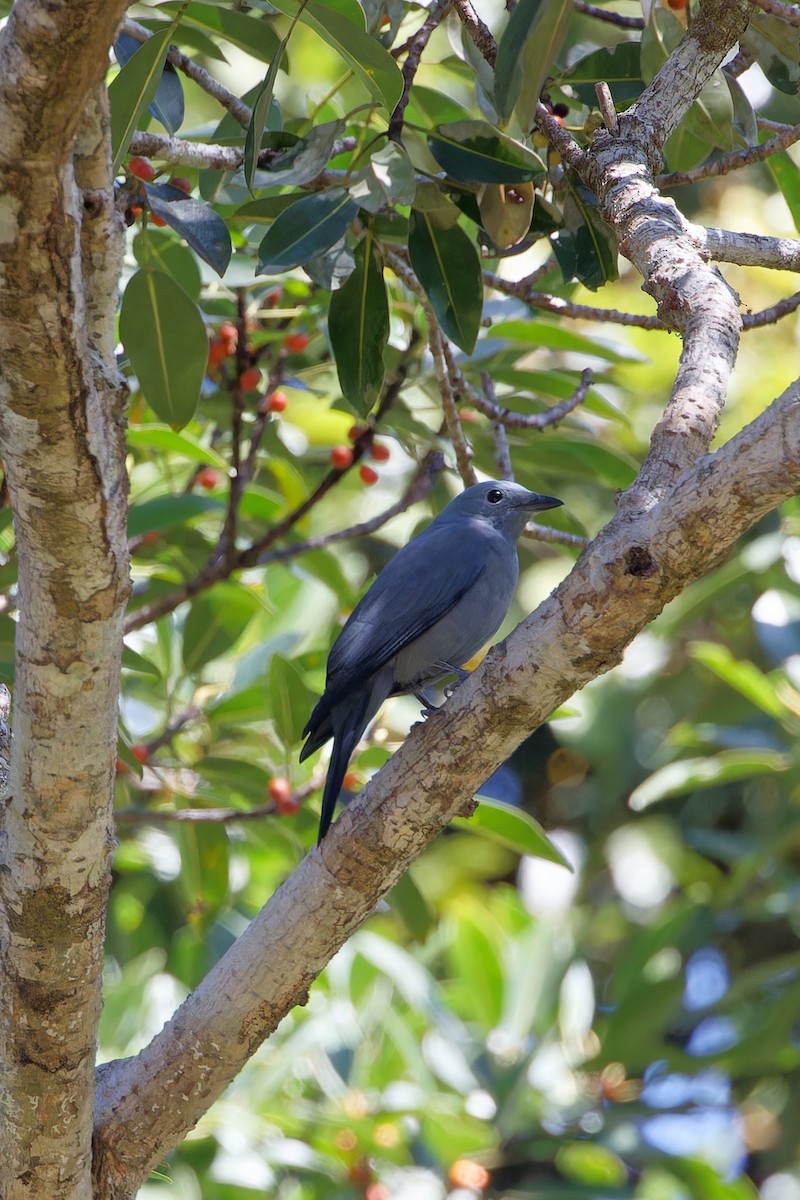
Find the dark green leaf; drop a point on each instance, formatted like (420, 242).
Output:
(333, 268)
(447, 265)
(168, 512)
(165, 339)
(8, 631)
(476, 152)
(167, 106)
(526, 56)
(586, 247)
(215, 622)
(301, 162)
(262, 105)
(138, 664)
(408, 902)
(289, 698)
(358, 325)
(157, 248)
(776, 47)
(252, 34)
(373, 65)
(199, 225)
(618, 66)
(306, 230)
(131, 91)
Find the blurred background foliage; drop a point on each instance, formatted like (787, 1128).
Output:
(501, 1026)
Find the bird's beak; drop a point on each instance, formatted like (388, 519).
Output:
(537, 503)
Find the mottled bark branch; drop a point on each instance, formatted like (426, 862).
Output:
(622, 581)
(61, 445)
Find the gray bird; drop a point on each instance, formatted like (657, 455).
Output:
(433, 606)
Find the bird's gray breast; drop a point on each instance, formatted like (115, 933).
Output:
(469, 625)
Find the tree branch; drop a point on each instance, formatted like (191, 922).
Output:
(63, 454)
(622, 581)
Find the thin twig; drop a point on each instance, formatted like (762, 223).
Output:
(731, 162)
(768, 316)
(514, 420)
(605, 102)
(418, 43)
(790, 13)
(236, 107)
(604, 14)
(479, 32)
(566, 308)
(502, 452)
(559, 138)
(223, 816)
(455, 431)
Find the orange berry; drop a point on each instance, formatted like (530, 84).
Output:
(341, 457)
(140, 752)
(217, 352)
(229, 332)
(142, 169)
(470, 416)
(677, 4)
(250, 379)
(178, 181)
(158, 221)
(278, 401)
(380, 452)
(296, 343)
(148, 538)
(467, 1173)
(280, 791)
(350, 781)
(135, 210)
(368, 475)
(208, 478)
(120, 767)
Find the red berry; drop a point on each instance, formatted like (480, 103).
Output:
(296, 343)
(151, 536)
(208, 478)
(380, 452)
(120, 767)
(677, 4)
(158, 221)
(368, 475)
(140, 752)
(178, 181)
(355, 432)
(286, 802)
(470, 416)
(341, 457)
(278, 401)
(229, 332)
(250, 379)
(350, 781)
(135, 210)
(142, 169)
(218, 351)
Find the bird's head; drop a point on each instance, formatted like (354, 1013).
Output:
(504, 505)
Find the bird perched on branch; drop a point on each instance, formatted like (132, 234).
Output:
(432, 607)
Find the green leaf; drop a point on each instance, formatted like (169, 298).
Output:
(131, 91)
(476, 152)
(165, 340)
(215, 622)
(138, 664)
(167, 106)
(198, 225)
(306, 230)
(298, 163)
(290, 700)
(447, 265)
(526, 56)
(373, 65)
(785, 173)
(743, 677)
(262, 105)
(169, 512)
(410, 905)
(585, 247)
(618, 66)
(387, 179)
(358, 325)
(254, 35)
(168, 441)
(513, 828)
(556, 337)
(429, 107)
(696, 774)
(776, 47)
(157, 248)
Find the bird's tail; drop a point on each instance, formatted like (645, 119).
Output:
(345, 739)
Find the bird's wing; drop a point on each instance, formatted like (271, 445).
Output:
(415, 590)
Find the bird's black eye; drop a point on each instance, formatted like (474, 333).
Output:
(494, 496)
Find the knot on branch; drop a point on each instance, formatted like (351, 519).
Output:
(639, 562)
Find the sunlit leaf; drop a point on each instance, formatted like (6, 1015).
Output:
(513, 828)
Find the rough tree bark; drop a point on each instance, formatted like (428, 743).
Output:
(61, 437)
(60, 434)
